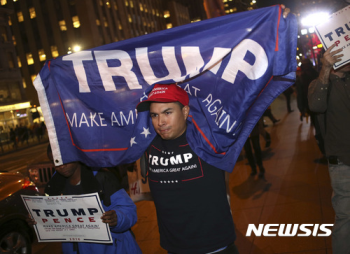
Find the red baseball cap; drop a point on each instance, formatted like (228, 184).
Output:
(164, 93)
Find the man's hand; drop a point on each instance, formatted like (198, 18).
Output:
(110, 217)
(286, 11)
(329, 58)
(30, 220)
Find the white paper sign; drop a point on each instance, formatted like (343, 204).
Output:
(73, 218)
(336, 30)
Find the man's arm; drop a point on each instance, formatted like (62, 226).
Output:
(318, 88)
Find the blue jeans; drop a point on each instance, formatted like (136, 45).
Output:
(340, 180)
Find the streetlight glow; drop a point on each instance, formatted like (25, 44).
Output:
(76, 48)
(314, 19)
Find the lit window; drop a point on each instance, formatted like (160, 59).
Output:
(141, 7)
(166, 14)
(153, 12)
(19, 62)
(30, 59)
(24, 83)
(10, 60)
(146, 10)
(227, 11)
(105, 22)
(126, 3)
(157, 13)
(10, 22)
(115, 6)
(98, 22)
(129, 18)
(3, 33)
(54, 51)
(42, 56)
(101, 2)
(108, 5)
(311, 30)
(120, 26)
(131, 4)
(20, 16)
(62, 25)
(33, 77)
(32, 13)
(76, 22)
(3, 2)
(303, 31)
(14, 40)
(169, 25)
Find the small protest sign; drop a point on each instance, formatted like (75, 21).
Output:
(336, 30)
(70, 218)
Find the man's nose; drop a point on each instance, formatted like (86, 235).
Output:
(160, 120)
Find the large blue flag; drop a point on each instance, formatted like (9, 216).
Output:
(232, 67)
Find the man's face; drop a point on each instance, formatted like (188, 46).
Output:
(168, 119)
(68, 169)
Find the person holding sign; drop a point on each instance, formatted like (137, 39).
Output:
(74, 179)
(329, 95)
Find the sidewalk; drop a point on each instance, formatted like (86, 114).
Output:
(8, 147)
(296, 190)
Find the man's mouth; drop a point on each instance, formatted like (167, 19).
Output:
(164, 130)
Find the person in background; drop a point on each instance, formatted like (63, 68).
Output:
(307, 74)
(13, 138)
(254, 140)
(269, 114)
(288, 93)
(329, 95)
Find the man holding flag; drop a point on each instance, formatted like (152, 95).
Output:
(193, 212)
(229, 69)
(189, 194)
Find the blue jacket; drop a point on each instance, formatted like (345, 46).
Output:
(123, 240)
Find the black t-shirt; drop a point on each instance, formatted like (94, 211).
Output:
(190, 198)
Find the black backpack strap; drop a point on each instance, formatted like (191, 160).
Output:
(109, 184)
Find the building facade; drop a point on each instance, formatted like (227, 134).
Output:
(14, 108)
(232, 6)
(45, 29)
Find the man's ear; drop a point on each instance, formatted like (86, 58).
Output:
(186, 111)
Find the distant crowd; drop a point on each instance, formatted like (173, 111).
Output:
(22, 133)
